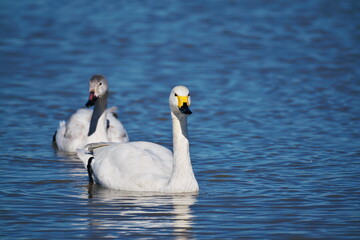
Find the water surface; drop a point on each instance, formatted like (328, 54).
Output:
(274, 132)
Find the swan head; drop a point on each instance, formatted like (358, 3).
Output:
(180, 101)
(98, 88)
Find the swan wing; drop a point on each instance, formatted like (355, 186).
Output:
(135, 166)
(73, 134)
(116, 131)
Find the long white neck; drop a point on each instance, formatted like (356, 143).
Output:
(98, 124)
(182, 179)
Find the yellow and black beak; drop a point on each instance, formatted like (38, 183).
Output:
(183, 104)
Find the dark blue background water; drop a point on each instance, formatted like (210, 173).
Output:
(274, 135)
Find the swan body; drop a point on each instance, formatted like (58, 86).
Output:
(88, 126)
(146, 166)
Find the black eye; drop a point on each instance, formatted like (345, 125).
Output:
(189, 95)
(100, 83)
(175, 95)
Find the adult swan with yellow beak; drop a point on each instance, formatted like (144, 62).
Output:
(146, 166)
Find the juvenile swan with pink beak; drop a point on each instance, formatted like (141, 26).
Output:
(91, 126)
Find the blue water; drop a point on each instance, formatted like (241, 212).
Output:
(275, 129)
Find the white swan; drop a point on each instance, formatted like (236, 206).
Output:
(146, 166)
(87, 126)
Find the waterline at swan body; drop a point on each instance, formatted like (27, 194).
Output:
(146, 166)
(89, 126)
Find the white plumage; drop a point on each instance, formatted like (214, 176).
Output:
(146, 166)
(90, 126)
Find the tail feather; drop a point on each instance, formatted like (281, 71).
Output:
(90, 171)
(84, 156)
(54, 144)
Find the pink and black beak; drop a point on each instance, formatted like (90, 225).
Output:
(92, 99)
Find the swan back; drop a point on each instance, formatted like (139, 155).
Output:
(133, 166)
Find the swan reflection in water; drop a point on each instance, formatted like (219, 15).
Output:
(139, 213)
